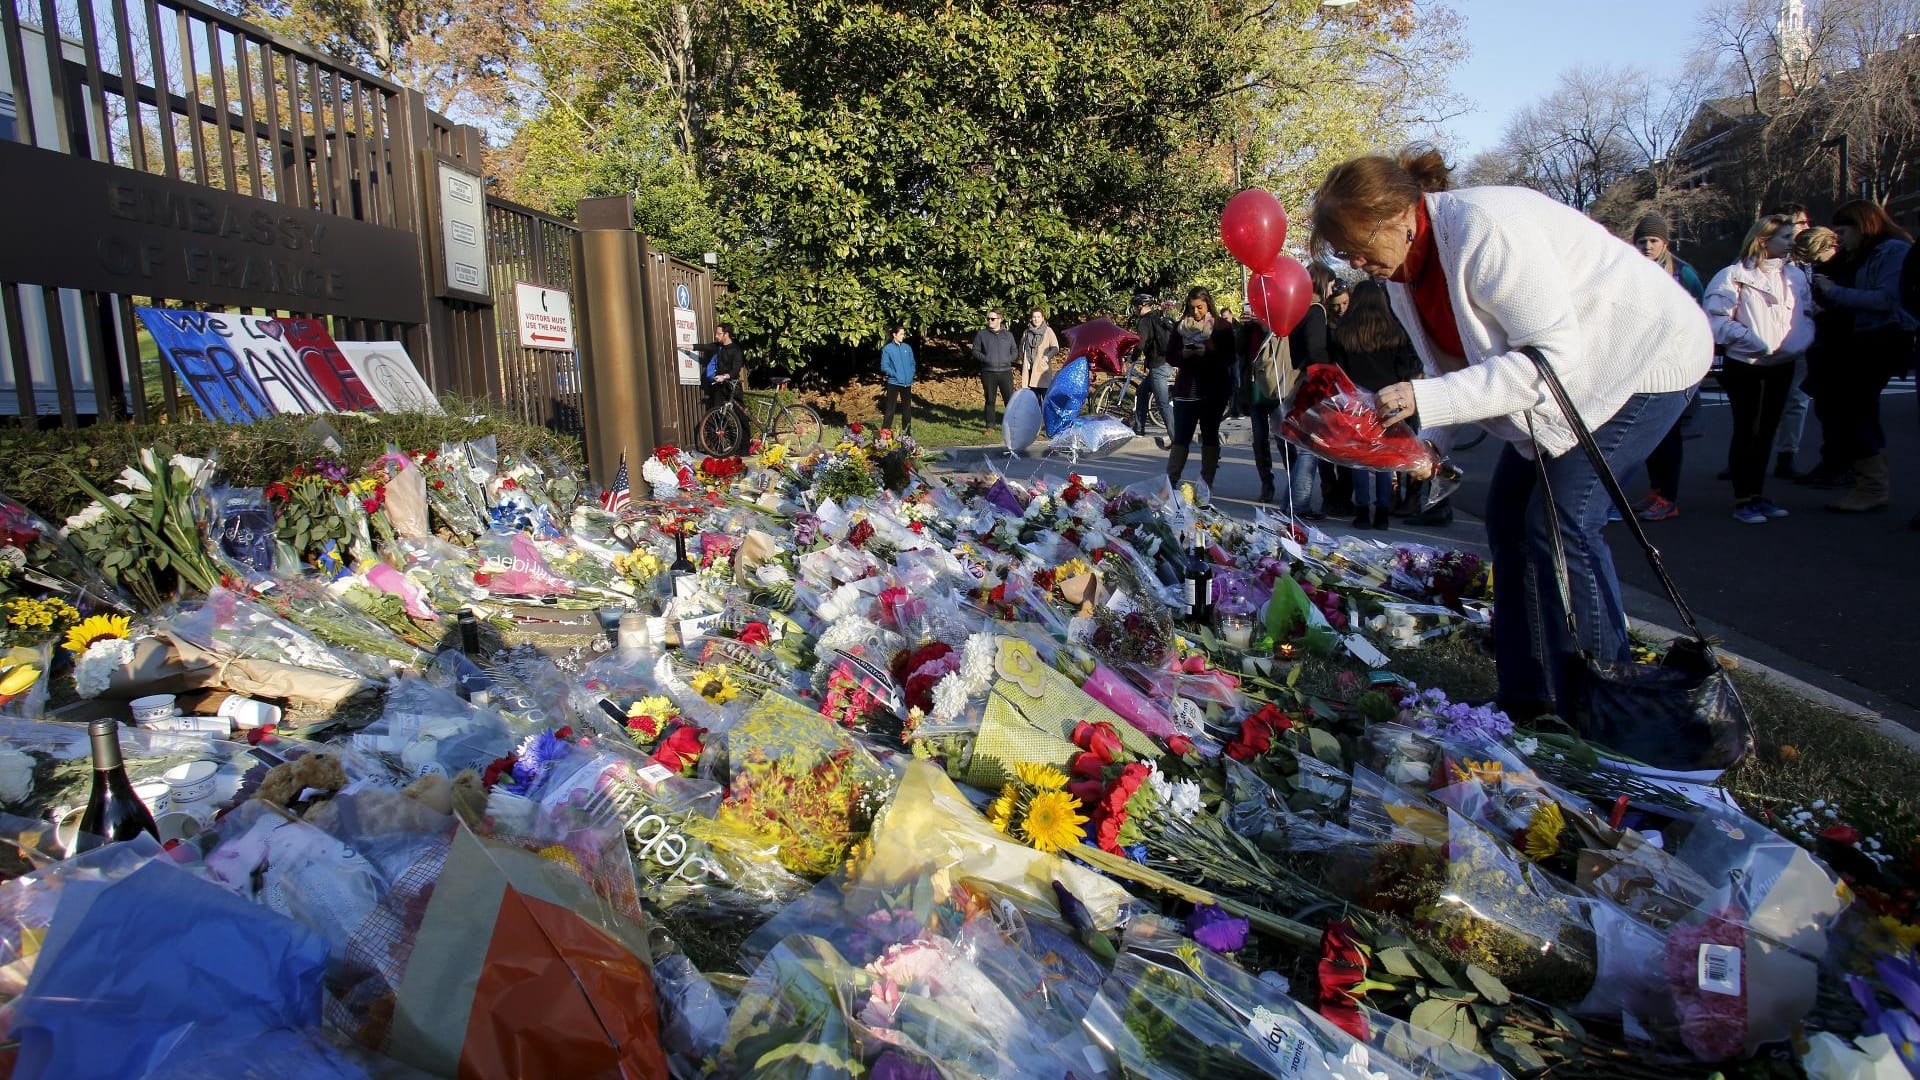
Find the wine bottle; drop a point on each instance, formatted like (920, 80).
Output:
(469, 632)
(681, 564)
(1200, 586)
(114, 812)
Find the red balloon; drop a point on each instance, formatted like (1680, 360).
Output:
(1254, 226)
(1280, 297)
(1102, 342)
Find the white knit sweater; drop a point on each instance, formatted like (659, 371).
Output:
(1524, 270)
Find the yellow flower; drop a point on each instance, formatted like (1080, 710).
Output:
(1187, 493)
(774, 455)
(657, 707)
(714, 685)
(1053, 821)
(1486, 772)
(558, 853)
(1001, 812)
(96, 629)
(1908, 937)
(1543, 832)
(1043, 777)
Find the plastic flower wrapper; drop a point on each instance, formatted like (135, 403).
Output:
(428, 730)
(37, 558)
(28, 903)
(799, 780)
(349, 613)
(1031, 715)
(932, 988)
(443, 473)
(1479, 902)
(514, 566)
(236, 631)
(1172, 1010)
(1339, 422)
(184, 960)
(288, 866)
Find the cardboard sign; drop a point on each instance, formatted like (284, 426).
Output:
(327, 366)
(389, 375)
(686, 334)
(545, 317)
(238, 368)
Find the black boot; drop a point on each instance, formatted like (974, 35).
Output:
(1363, 518)
(1266, 488)
(1176, 465)
(1209, 464)
(1380, 518)
(1783, 467)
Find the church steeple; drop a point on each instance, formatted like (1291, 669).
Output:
(1794, 45)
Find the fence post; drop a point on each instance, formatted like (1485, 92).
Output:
(609, 300)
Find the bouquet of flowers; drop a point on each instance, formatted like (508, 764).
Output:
(1339, 422)
(801, 782)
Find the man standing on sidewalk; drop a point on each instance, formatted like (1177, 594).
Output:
(995, 349)
(1157, 383)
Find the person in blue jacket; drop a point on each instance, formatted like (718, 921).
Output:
(896, 367)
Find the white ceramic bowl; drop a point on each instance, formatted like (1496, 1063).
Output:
(191, 782)
(156, 794)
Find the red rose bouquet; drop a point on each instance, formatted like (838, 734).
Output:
(1339, 422)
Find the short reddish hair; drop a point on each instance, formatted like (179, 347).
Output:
(1358, 195)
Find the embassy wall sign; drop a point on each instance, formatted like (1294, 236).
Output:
(81, 224)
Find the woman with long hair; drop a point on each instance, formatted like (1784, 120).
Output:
(1882, 346)
(1477, 276)
(1373, 349)
(1761, 308)
(1203, 355)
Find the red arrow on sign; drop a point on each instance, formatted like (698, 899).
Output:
(546, 337)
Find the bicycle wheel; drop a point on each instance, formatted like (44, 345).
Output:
(798, 427)
(1111, 400)
(721, 431)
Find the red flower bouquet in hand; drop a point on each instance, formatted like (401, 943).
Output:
(1339, 422)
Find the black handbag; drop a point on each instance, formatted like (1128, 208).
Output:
(1682, 715)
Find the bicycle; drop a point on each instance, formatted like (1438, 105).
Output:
(725, 428)
(1117, 394)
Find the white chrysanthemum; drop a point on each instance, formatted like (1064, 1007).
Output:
(950, 697)
(93, 672)
(977, 669)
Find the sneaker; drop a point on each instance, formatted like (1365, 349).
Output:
(1766, 507)
(1658, 509)
(1749, 514)
(1652, 500)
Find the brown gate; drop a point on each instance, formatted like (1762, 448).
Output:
(162, 152)
(541, 386)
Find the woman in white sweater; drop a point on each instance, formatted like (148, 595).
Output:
(1761, 309)
(1475, 276)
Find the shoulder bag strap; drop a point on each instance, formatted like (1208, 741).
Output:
(1612, 484)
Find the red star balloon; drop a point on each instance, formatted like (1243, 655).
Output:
(1102, 342)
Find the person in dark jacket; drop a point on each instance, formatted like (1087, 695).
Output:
(1203, 356)
(1155, 330)
(995, 349)
(720, 378)
(1882, 344)
(896, 368)
(1373, 349)
(1654, 237)
(1308, 345)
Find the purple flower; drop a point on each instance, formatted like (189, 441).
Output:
(1002, 496)
(892, 1065)
(1217, 930)
(533, 759)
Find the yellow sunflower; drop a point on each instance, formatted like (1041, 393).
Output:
(1486, 772)
(1053, 821)
(715, 686)
(1543, 832)
(1001, 812)
(1043, 777)
(95, 629)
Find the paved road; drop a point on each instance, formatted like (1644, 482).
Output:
(1828, 598)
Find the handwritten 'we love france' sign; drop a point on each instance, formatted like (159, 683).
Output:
(241, 368)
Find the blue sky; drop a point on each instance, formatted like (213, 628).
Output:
(1519, 47)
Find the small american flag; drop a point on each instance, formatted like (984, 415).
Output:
(615, 498)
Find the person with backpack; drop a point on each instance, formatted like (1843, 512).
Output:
(1883, 345)
(1761, 309)
(896, 367)
(720, 378)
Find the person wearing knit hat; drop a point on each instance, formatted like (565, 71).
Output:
(1654, 237)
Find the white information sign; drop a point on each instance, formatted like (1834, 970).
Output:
(546, 317)
(463, 229)
(686, 334)
(389, 375)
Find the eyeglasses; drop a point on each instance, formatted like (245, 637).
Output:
(1349, 256)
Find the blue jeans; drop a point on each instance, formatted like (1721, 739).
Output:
(1303, 476)
(1372, 487)
(1531, 645)
(1158, 381)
